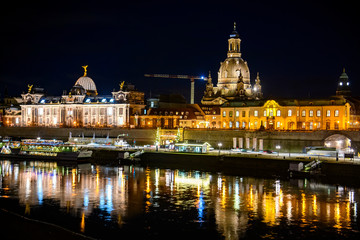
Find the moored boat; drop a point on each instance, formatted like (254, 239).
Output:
(48, 149)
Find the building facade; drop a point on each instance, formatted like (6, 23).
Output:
(81, 107)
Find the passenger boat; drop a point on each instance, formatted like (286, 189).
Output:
(48, 149)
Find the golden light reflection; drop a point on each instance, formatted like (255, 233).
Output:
(269, 209)
(314, 206)
(223, 193)
(82, 224)
(147, 190)
(303, 207)
(337, 216)
(73, 172)
(27, 209)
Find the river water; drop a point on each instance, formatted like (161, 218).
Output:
(149, 203)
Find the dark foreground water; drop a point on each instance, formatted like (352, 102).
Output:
(130, 202)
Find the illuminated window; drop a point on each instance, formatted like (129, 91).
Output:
(328, 113)
(230, 124)
(256, 113)
(278, 113)
(243, 124)
(311, 113)
(121, 120)
(237, 113)
(237, 125)
(28, 111)
(303, 113)
(224, 113)
(54, 120)
(336, 113)
(318, 113)
(224, 124)
(271, 114)
(278, 124)
(264, 113)
(109, 111)
(311, 125)
(256, 124)
(41, 111)
(289, 113)
(152, 104)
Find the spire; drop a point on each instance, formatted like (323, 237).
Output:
(209, 78)
(257, 80)
(234, 33)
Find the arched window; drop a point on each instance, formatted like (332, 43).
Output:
(289, 113)
(278, 113)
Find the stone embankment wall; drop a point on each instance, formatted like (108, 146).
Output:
(255, 166)
(289, 141)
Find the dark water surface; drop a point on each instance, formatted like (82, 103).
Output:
(131, 202)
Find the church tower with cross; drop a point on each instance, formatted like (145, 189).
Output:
(233, 72)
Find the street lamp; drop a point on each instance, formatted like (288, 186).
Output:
(219, 144)
(278, 147)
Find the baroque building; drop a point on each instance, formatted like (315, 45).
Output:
(82, 106)
(233, 78)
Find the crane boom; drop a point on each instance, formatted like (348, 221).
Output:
(192, 79)
(175, 76)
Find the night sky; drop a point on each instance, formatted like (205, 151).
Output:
(299, 47)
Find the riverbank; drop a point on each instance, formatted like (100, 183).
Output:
(249, 165)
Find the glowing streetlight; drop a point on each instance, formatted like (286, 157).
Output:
(219, 144)
(278, 147)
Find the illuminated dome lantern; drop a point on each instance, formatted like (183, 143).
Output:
(87, 83)
(233, 66)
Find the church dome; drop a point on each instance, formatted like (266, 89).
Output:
(230, 70)
(87, 83)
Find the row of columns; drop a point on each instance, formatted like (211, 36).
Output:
(239, 142)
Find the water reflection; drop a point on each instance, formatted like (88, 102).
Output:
(121, 194)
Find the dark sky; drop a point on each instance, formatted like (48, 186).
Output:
(299, 47)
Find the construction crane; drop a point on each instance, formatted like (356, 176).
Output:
(192, 80)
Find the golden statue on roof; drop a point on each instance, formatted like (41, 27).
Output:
(30, 87)
(121, 85)
(85, 70)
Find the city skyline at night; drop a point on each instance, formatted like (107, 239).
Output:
(298, 49)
